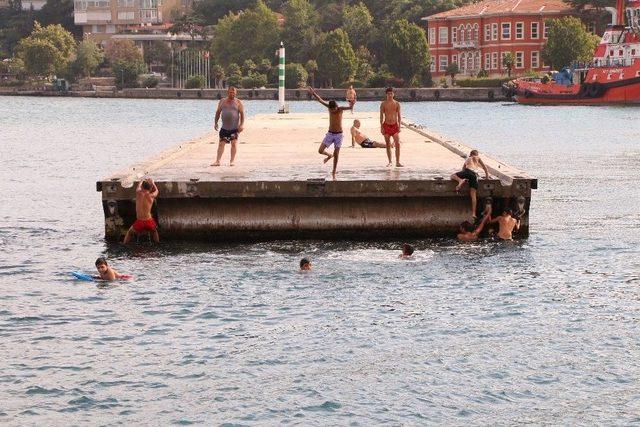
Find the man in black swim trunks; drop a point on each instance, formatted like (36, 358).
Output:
(232, 112)
(468, 174)
(358, 137)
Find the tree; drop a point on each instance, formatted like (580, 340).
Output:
(234, 75)
(218, 75)
(126, 62)
(15, 24)
(88, 57)
(336, 60)
(47, 50)
(452, 70)
(212, 10)
(59, 12)
(364, 69)
(312, 68)
(357, 22)
(295, 76)
(248, 67)
(568, 41)
(508, 62)
(264, 66)
(301, 30)
(406, 50)
(191, 24)
(253, 35)
(157, 53)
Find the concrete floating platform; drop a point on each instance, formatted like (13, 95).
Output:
(280, 187)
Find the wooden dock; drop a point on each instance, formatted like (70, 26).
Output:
(280, 188)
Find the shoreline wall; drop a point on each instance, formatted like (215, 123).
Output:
(486, 94)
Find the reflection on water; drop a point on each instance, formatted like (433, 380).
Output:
(540, 331)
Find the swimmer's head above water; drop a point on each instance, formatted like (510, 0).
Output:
(305, 264)
(101, 265)
(407, 250)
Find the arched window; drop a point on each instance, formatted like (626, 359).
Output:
(475, 32)
(461, 33)
(469, 32)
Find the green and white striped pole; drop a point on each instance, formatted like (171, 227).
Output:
(282, 109)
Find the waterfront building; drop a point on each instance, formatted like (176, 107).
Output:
(102, 19)
(477, 36)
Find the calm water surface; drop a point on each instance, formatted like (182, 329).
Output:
(542, 331)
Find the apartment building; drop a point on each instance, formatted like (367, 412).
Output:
(477, 36)
(101, 19)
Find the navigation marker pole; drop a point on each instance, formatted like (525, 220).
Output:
(283, 107)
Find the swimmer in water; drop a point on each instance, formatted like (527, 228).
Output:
(305, 264)
(407, 251)
(507, 224)
(468, 232)
(106, 272)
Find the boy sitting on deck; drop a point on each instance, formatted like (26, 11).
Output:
(334, 135)
(469, 174)
(146, 193)
(361, 139)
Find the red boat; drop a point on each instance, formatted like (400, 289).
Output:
(613, 77)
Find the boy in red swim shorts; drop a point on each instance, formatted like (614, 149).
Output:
(390, 119)
(146, 193)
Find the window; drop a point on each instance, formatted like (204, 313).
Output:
(454, 59)
(519, 59)
(494, 61)
(494, 31)
(126, 16)
(444, 62)
(454, 35)
(461, 31)
(125, 3)
(487, 61)
(469, 33)
(98, 3)
(487, 32)
(506, 30)
(443, 35)
(476, 35)
(432, 67)
(80, 5)
(519, 30)
(148, 4)
(535, 30)
(545, 31)
(432, 36)
(535, 59)
(148, 15)
(99, 29)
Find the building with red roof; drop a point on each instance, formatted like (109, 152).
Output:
(478, 35)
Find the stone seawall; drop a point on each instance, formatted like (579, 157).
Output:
(487, 94)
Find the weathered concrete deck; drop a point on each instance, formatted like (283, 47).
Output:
(280, 187)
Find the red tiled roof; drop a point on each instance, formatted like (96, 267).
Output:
(505, 7)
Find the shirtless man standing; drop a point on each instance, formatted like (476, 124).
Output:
(507, 224)
(146, 193)
(390, 120)
(361, 139)
(232, 112)
(351, 96)
(469, 174)
(334, 136)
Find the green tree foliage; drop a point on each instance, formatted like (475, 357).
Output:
(192, 24)
(406, 49)
(357, 22)
(452, 70)
(295, 76)
(364, 69)
(301, 31)
(47, 50)
(157, 53)
(59, 12)
(217, 72)
(411, 10)
(126, 62)
(212, 10)
(568, 41)
(253, 35)
(89, 56)
(195, 82)
(508, 62)
(234, 75)
(248, 67)
(311, 67)
(581, 5)
(336, 60)
(264, 67)
(331, 16)
(15, 24)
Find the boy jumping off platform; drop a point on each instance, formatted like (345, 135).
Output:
(334, 135)
(146, 193)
